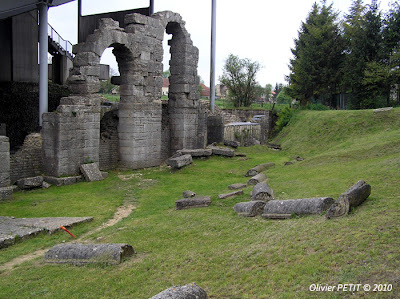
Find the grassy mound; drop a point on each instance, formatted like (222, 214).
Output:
(230, 256)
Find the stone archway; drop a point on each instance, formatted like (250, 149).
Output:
(187, 117)
(139, 53)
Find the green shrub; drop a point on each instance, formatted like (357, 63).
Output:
(284, 117)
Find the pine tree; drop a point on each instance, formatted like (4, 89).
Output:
(317, 55)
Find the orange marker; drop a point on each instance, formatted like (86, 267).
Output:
(63, 228)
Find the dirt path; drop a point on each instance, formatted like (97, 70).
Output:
(121, 213)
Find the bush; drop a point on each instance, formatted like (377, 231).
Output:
(284, 117)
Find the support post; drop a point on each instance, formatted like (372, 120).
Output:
(212, 64)
(151, 8)
(43, 67)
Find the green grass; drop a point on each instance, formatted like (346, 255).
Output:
(230, 256)
(112, 97)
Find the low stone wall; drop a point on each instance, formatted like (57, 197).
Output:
(242, 132)
(246, 115)
(27, 161)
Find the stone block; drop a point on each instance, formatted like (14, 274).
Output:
(76, 253)
(222, 151)
(257, 179)
(180, 161)
(232, 143)
(249, 208)
(91, 172)
(231, 194)
(86, 58)
(262, 191)
(352, 198)
(6, 192)
(259, 168)
(196, 152)
(237, 186)
(193, 202)
(136, 18)
(188, 194)
(30, 183)
(64, 181)
(303, 206)
(182, 292)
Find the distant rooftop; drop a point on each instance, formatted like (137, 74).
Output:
(16, 7)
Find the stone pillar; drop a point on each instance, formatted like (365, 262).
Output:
(5, 162)
(266, 127)
(71, 135)
(215, 129)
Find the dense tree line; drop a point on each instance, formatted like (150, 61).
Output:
(358, 55)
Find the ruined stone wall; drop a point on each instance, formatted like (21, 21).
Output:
(27, 161)
(5, 162)
(71, 135)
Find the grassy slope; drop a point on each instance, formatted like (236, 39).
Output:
(229, 256)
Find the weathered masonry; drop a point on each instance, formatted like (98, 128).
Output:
(147, 134)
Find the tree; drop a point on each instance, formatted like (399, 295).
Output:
(363, 66)
(239, 75)
(283, 97)
(317, 56)
(166, 74)
(268, 91)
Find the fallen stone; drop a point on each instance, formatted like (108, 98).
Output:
(298, 158)
(236, 186)
(259, 168)
(188, 194)
(203, 152)
(12, 228)
(91, 172)
(6, 192)
(45, 185)
(222, 151)
(63, 181)
(30, 183)
(227, 195)
(257, 179)
(241, 155)
(231, 143)
(180, 161)
(303, 206)
(104, 174)
(276, 147)
(289, 163)
(353, 197)
(262, 191)
(76, 253)
(189, 291)
(193, 202)
(249, 208)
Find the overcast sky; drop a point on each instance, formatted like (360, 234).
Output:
(260, 30)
